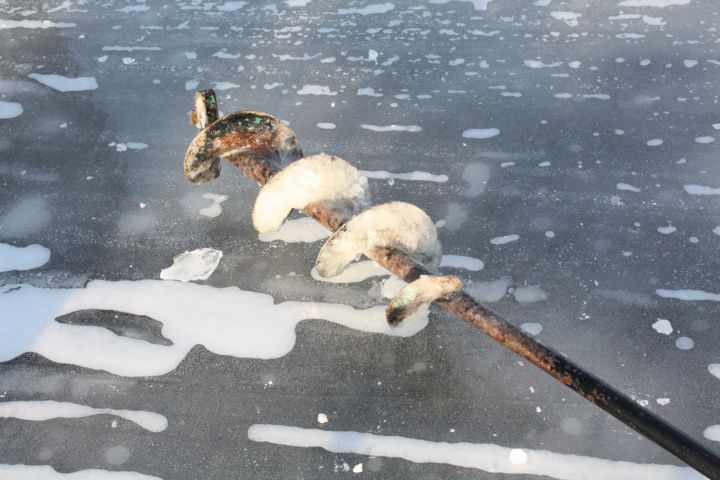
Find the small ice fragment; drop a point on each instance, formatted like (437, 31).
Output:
(461, 261)
(326, 125)
(481, 133)
(395, 225)
(391, 128)
(663, 401)
(322, 418)
(654, 142)
(701, 190)
(550, 234)
(684, 343)
(662, 326)
(489, 291)
(316, 90)
(706, 139)
(65, 84)
(570, 18)
(667, 230)
(195, 265)
(321, 178)
(502, 240)
(358, 468)
(714, 369)
(532, 328)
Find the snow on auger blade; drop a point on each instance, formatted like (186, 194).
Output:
(422, 291)
(258, 144)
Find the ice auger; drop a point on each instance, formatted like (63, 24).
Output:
(397, 235)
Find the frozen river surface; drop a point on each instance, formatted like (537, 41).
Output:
(567, 151)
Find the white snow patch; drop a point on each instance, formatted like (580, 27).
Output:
(316, 90)
(322, 419)
(191, 84)
(652, 3)
(220, 86)
(10, 110)
(46, 472)
(489, 291)
(712, 433)
(231, 6)
(662, 326)
(502, 240)
(484, 457)
(477, 4)
(304, 58)
(122, 48)
(704, 140)
(570, 18)
(368, 92)
(195, 265)
(667, 230)
(714, 369)
(216, 208)
(481, 133)
(627, 187)
(701, 190)
(539, 64)
(303, 229)
(22, 258)
(529, 294)
(326, 125)
(461, 261)
(412, 176)
(368, 10)
(6, 24)
(654, 142)
(65, 84)
(42, 410)
(391, 128)
(355, 272)
(297, 3)
(532, 328)
(688, 295)
(133, 8)
(226, 321)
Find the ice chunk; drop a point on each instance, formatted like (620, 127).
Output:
(196, 265)
(396, 225)
(22, 258)
(303, 229)
(422, 291)
(65, 84)
(321, 178)
(662, 326)
(10, 110)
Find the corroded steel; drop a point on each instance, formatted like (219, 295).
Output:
(258, 143)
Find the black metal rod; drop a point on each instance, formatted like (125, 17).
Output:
(464, 306)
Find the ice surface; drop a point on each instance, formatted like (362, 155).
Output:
(22, 258)
(10, 110)
(40, 410)
(226, 321)
(477, 176)
(26, 217)
(480, 456)
(396, 225)
(46, 472)
(65, 84)
(325, 179)
(684, 343)
(304, 229)
(195, 265)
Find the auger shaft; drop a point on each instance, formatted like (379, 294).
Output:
(464, 306)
